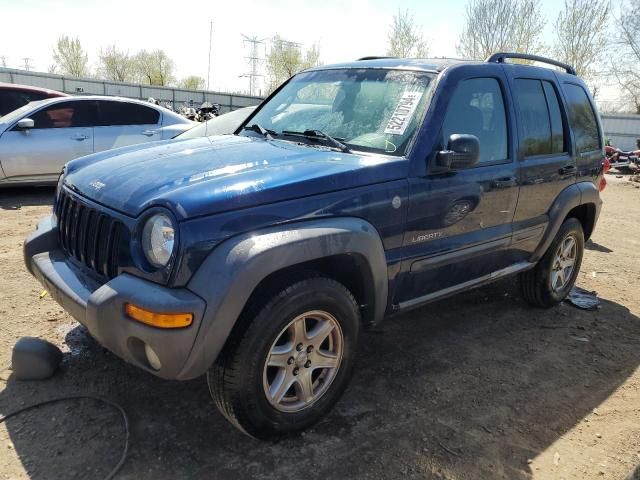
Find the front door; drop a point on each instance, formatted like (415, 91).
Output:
(61, 132)
(459, 221)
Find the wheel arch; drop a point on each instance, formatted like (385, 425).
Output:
(581, 201)
(242, 268)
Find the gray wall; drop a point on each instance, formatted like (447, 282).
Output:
(621, 129)
(79, 86)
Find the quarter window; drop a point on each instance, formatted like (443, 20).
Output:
(64, 115)
(124, 113)
(583, 119)
(540, 118)
(477, 108)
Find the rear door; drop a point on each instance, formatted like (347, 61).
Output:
(125, 123)
(62, 131)
(546, 159)
(459, 222)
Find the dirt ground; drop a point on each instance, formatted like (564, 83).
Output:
(479, 386)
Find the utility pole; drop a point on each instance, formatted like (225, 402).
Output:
(253, 60)
(210, 42)
(27, 66)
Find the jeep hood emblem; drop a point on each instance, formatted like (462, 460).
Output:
(97, 185)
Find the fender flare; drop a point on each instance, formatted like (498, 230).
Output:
(231, 272)
(571, 197)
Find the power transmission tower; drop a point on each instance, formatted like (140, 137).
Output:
(254, 60)
(27, 65)
(3, 61)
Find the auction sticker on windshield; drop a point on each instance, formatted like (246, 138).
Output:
(403, 113)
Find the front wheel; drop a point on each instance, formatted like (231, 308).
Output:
(291, 361)
(551, 280)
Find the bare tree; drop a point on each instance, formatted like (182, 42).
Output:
(581, 37)
(154, 68)
(115, 64)
(501, 25)
(286, 58)
(627, 56)
(405, 39)
(70, 58)
(192, 82)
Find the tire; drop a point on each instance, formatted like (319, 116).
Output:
(537, 284)
(241, 382)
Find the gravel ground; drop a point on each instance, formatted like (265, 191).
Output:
(476, 386)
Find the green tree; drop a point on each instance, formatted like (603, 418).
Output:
(405, 39)
(286, 59)
(501, 25)
(115, 64)
(581, 34)
(154, 68)
(192, 82)
(70, 58)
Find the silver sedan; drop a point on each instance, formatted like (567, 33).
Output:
(38, 139)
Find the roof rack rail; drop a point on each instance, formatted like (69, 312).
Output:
(372, 57)
(502, 56)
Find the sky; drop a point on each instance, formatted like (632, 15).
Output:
(344, 29)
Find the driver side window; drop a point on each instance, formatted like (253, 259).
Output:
(477, 108)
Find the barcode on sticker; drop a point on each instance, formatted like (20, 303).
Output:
(403, 113)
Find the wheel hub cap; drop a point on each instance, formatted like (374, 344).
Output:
(564, 263)
(303, 361)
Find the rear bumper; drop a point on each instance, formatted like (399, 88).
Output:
(100, 307)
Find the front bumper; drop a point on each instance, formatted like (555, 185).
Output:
(100, 307)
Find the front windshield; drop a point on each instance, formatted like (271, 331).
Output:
(367, 109)
(16, 114)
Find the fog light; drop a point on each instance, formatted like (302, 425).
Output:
(160, 320)
(152, 358)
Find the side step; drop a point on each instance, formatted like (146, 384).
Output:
(476, 282)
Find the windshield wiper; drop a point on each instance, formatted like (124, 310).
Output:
(316, 134)
(256, 127)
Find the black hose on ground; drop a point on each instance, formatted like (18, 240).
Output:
(125, 419)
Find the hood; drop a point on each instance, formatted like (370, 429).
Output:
(207, 175)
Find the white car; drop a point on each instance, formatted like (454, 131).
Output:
(37, 139)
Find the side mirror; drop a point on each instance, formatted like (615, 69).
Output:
(463, 151)
(25, 124)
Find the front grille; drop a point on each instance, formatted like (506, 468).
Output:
(89, 235)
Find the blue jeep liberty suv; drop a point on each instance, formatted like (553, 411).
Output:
(355, 191)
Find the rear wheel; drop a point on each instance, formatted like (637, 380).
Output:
(553, 277)
(291, 362)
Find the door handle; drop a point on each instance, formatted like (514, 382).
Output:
(567, 169)
(149, 133)
(80, 137)
(505, 182)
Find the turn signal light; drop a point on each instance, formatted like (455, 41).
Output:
(159, 320)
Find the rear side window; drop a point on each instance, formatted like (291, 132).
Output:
(477, 108)
(540, 118)
(582, 119)
(123, 113)
(65, 115)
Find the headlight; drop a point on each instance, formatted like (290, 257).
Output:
(158, 239)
